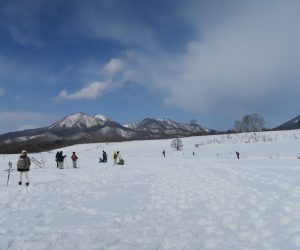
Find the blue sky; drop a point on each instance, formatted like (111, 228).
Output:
(213, 61)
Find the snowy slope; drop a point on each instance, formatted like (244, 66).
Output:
(101, 119)
(291, 124)
(77, 120)
(209, 200)
(163, 125)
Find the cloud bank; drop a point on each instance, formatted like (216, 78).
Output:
(91, 91)
(241, 65)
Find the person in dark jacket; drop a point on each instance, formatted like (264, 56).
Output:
(61, 158)
(56, 158)
(23, 166)
(237, 154)
(104, 156)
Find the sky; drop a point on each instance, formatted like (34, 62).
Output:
(212, 61)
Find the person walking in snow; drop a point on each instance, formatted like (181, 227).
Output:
(74, 160)
(56, 159)
(164, 153)
(23, 166)
(237, 154)
(61, 158)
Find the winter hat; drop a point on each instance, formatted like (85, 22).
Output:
(24, 152)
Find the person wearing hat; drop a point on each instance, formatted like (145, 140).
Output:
(23, 165)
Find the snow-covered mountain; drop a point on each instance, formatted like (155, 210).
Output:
(82, 128)
(101, 119)
(79, 120)
(166, 126)
(291, 124)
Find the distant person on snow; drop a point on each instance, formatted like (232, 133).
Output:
(120, 160)
(104, 157)
(117, 158)
(61, 158)
(23, 166)
(74, 160)
(164, 153)
(237, 154)
(56, 158)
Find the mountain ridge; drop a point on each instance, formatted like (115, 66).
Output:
(78, 128)
(82, 128)
(291, 124)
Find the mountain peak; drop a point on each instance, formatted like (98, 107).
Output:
(167, 125)
(101, 117)
(77, 120)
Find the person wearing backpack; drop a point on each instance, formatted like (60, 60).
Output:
(74, 160)
(115, 156)
(23, 166)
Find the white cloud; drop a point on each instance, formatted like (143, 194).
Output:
(113, 67)
(242, 62)
(239, 64)
(91, 91)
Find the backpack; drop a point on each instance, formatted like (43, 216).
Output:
(74, 157)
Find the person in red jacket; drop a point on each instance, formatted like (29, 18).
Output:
(74, 160)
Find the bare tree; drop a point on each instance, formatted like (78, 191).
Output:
(250, 123)
(177, 144)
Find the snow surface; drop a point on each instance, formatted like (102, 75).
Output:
(209, 200)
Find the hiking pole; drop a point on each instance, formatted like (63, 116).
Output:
(43, 162)
(8, 171)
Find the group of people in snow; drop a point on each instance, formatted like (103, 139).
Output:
(60, 157)
(24, 162)
(118, 160)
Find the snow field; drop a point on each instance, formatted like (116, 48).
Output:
(208, 201)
